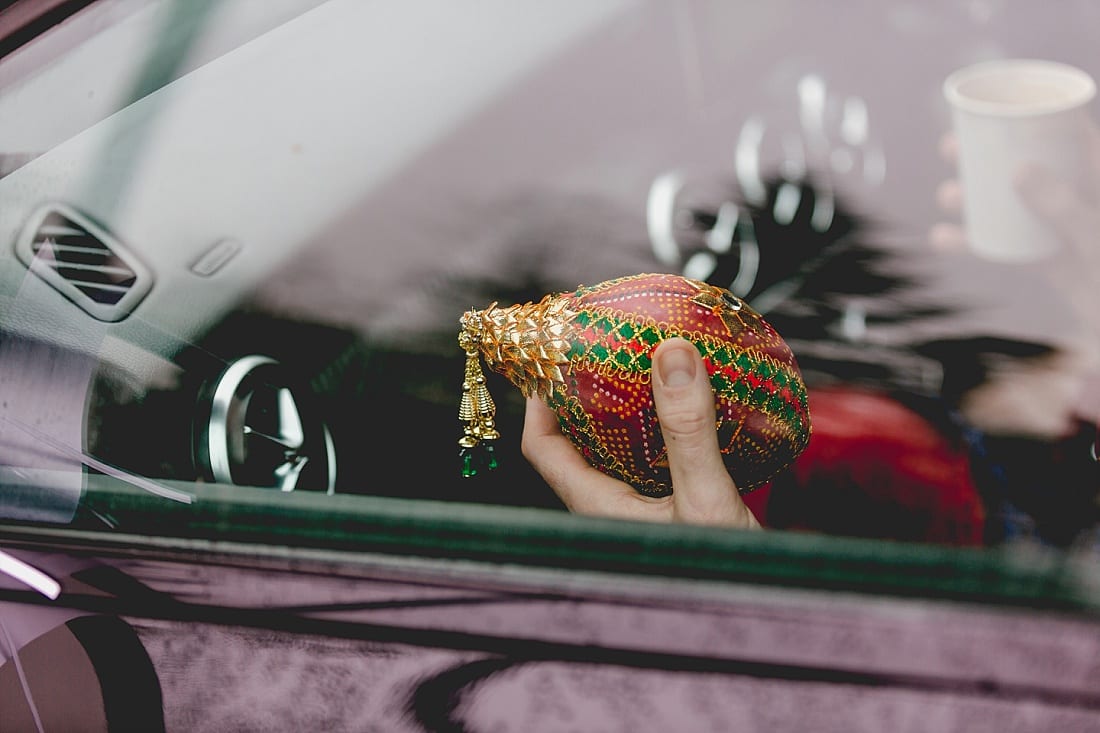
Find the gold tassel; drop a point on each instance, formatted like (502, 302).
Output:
(528, 344)
(477, 409)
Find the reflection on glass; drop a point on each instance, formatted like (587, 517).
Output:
(355, 247)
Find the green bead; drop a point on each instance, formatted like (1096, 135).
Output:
(468, 469)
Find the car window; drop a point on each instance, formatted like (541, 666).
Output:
(237, 238)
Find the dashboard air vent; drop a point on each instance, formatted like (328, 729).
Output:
(83, 262)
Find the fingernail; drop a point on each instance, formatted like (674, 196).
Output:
(675, 367)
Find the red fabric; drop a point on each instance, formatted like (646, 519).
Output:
(876, 468)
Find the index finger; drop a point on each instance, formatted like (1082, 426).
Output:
(581, 487)
(949, 147)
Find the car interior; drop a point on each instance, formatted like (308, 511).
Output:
(236, 240)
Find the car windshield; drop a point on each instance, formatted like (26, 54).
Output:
(237, 239)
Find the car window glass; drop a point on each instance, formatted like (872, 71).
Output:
(293, 203)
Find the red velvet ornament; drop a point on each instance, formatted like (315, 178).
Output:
(588, 353)
(876, 468)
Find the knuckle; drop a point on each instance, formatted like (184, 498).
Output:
(528, 447)
(685, 424)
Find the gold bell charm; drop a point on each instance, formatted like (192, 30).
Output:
(477, 409)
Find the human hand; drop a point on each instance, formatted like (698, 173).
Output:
(1041, 396)
(703, 491)
(1072, 213)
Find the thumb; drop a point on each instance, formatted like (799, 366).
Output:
(703, 491)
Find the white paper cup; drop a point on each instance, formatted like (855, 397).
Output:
(1009, 114)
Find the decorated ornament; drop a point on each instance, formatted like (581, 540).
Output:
(587, 354)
